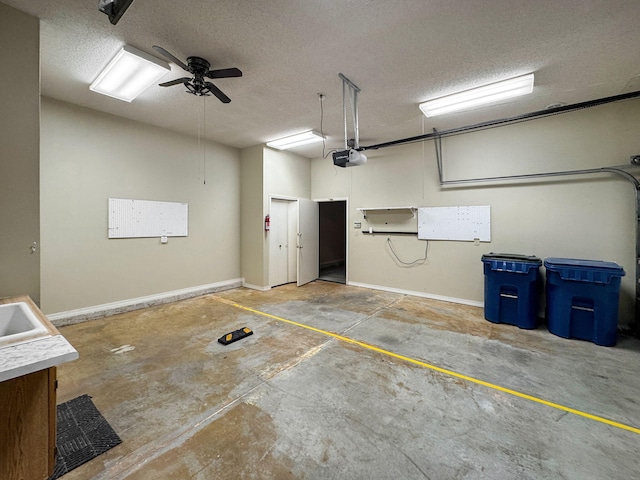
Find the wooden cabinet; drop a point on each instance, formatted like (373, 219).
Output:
(28, 426)
(28, 398)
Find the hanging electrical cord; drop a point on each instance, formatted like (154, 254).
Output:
(438, 144)
(424, 164)
(419, 261)
(324, 145)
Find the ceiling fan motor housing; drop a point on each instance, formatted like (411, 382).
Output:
(198, 66)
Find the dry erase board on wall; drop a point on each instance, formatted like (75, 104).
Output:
(146, 218)
(455, 223)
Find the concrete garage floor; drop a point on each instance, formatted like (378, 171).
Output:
(293, 403)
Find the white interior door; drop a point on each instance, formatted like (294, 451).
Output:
(307, 245)
(292, 240)
(279, 243)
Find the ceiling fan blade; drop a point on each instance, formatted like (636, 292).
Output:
(166, 54)
(224, 73)
(177, 81)
(217, 92)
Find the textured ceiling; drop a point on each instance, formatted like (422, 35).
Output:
(398, 52)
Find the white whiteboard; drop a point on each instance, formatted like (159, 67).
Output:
(455, 223)
(146, 218)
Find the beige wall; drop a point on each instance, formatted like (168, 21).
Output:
(252, 214)
(19, 153)
(88, 157)
(266, 173)
(286, 174)
(580, 217)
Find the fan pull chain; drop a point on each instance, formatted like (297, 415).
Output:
(199, 134)
(204, 146)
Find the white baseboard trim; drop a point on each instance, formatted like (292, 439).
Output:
(255, 287)
(71, 317)
(461, 301)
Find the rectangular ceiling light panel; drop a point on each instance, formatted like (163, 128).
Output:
(295, 140)
(478, 96)
(129, 74)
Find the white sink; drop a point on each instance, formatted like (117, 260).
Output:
(19, 324)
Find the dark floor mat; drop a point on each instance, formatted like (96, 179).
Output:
(82, 434)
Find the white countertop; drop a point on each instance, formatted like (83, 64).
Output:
(35, 355)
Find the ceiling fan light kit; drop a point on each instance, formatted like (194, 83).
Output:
(296, 140)
(129, 74)
(476, 97)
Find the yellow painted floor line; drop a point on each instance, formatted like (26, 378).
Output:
(435, 368)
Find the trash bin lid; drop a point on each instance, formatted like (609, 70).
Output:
(512, 263)
(511, 257)
(593, 271)
(610, 267)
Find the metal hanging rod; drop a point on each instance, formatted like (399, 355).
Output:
(505, 121)
(614, 170)
(349, 82)
(354, 90)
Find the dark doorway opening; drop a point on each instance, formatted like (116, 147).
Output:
(333, 241)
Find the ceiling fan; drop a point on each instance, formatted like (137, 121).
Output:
(199, 68)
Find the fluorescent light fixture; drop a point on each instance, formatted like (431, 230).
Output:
(296, 140)
(129, 74)
(478, 96)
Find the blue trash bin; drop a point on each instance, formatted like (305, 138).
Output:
(511, 288)
(583, 298)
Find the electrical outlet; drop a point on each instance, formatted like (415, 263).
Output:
(476, 242)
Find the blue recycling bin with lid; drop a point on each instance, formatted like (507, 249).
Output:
(511, 289)
(583, 298)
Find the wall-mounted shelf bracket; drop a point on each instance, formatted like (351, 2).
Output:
(387, 232)
(364, 211)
